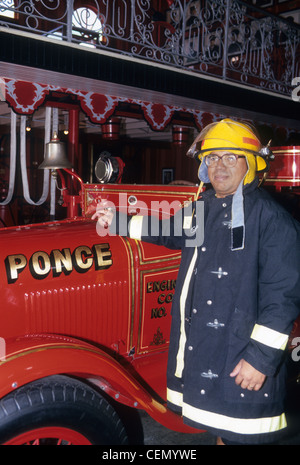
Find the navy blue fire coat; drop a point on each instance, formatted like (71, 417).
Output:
(231, 305)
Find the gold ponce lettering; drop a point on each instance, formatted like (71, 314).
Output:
(41, 263)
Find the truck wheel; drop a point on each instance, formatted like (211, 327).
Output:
(59, 410)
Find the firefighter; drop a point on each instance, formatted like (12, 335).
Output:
(237, 294)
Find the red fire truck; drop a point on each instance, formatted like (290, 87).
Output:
(85, 321)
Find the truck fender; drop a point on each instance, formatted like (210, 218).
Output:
(34, 357)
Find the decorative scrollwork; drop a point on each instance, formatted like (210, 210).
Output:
(223, 38)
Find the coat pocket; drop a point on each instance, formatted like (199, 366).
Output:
(269, 393)
(241, 326)
(240, 330)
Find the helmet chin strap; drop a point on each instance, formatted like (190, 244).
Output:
(237, 219)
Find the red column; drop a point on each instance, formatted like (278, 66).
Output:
(73, 153)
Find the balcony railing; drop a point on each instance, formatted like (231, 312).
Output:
(228, 39)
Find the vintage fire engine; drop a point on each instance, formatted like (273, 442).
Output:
(85, 318)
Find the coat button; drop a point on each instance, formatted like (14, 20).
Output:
(224, 205)
(209, 302)
(190, 347)
(202, 391)
(194, 310)
(203, 249)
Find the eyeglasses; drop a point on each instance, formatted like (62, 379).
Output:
(229, 159)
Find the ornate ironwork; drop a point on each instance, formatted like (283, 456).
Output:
(226, 38)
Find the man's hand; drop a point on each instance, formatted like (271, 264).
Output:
(104, 213)
(247, 376)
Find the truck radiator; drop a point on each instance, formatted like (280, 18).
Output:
(97, 312)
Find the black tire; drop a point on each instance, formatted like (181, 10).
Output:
(63, 403)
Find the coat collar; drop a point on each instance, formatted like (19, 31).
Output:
(237, 211)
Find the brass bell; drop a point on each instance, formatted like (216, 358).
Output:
(55, 155)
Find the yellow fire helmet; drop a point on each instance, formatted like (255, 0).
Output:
(237, 137)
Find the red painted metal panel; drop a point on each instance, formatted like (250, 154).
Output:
(285, 168)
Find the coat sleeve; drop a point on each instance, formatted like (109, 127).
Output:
(278, 292)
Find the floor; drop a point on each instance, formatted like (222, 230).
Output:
(156, 434)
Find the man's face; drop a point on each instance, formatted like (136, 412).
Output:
(225, 180)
